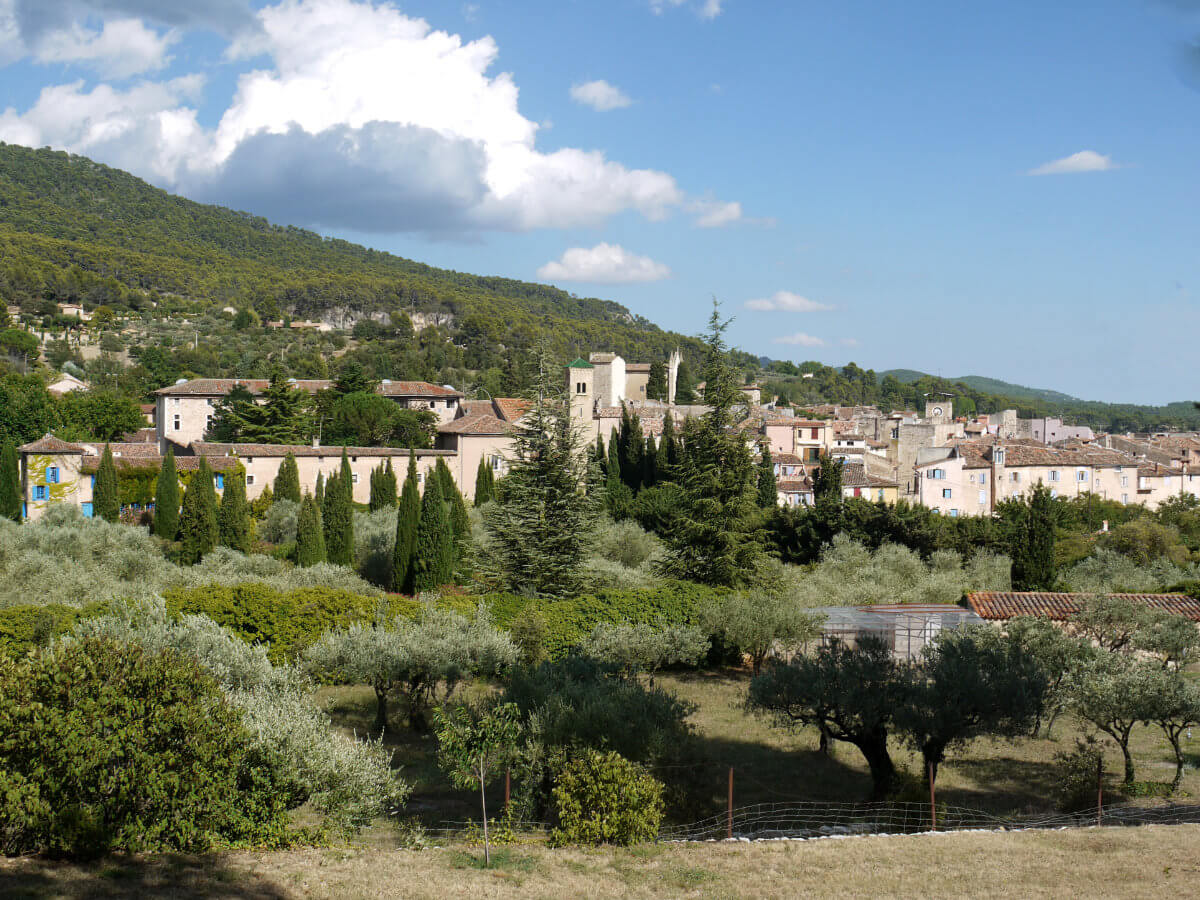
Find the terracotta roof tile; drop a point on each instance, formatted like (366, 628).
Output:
(483, 423)
(219, 387)
(511, 408)
(209, 449)
(999, 605)
(48, 443)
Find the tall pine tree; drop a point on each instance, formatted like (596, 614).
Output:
(10, 482)
(768, 486)
(408, 515)
(310, 533)
(287, 480)
(198, 526)
(716, 539)
(106, 501)
(542, 526)
(433, 549)
(166, 499)
(233, 519)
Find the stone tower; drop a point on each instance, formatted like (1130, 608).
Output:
(581, 386)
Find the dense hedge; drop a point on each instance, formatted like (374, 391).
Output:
(568, 621)
(287, 621)
(22, 628)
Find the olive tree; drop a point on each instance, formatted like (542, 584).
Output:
(642, 647)
(969, 683)
(1174, 706)
(1114, 692)
(761, 623)
(421, 659)
(1055, 652)
(850, 693)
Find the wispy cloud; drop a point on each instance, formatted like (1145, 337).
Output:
(1076, 163)
(603, 264)
(786, 301)
(705, 9)
(600, 95)
(849, 342)
(799, 339)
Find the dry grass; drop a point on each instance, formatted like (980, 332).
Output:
(1110, 862)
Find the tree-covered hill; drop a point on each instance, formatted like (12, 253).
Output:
(987, 385)
(72, 229)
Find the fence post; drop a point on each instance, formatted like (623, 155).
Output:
(729, 809)
(507, 786)
(932, 801)
(1099, 791)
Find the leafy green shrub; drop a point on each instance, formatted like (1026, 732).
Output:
(1076, 788)
(110, 747)
(568, 622)
(279, 524)
(626, 543)
(603, 798)
(22, 628)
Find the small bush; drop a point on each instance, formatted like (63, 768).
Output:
(279, 525)
(109, 747)
(23, 628)
(626, 543)
(602, 798)
(1076, 788)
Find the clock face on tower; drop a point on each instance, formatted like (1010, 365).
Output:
(937, 410)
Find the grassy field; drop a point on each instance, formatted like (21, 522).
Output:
(1153, 861)
(773, 764)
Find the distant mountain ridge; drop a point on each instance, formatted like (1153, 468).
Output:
(988, 385)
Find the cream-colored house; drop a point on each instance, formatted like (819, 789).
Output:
(65, 383)
(1157, 483)
(185, 410)
(970, 478)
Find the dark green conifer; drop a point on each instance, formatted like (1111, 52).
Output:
(338, 516)
(768, 486)
(166, 499)
(310, 533)
(460, 520)
(234, 517)
(106, 501)
(1033, 544)
(433, 549)
(483, 483)
(198, 526)
(408, 515)
(287, 480)
(319, 493)
(650, 463)
(10, 482)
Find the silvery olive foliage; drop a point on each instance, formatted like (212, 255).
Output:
(348, 781)
(644, 647)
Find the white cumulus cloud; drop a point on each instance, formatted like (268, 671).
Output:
(603, 264)
(1083, 161)
(799, 339)
(338, 80)
(121, 48)
(788, 302)
(600, 95)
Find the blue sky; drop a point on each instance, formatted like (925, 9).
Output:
(858, 174)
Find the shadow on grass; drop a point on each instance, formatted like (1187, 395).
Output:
(178, 876)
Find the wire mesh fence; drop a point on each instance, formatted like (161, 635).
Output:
(807, 821)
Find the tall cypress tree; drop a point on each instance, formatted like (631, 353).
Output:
(10, 482)
(234, 517)
(106, 501)
(287, 480)
(668, 455)
(656, 384)
(460, 520)
(1033, 544)
(338, 515)
(618, 499)
(198, 526)
(768, 486)
(383, 487)
(319, 493)
(650, 463)
(166, 499)
(408, 515)
(483, 483)
(632, 446)
(601, 456)
(310, 533)
(433, 549)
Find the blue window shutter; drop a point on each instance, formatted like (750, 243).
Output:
(93, 482)
(52, 475)
(220, 482)
(87, 510)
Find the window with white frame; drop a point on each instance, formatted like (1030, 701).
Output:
(954, 513)
(982, 497)
(1124, 498)
(1124, 481)
(947, 493)
(1016, 477)
(1081, 475)
(1054, 475)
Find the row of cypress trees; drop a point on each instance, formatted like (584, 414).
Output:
(433, 531)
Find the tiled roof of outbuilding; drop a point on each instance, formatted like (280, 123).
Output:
(48, 443)
(997, 605)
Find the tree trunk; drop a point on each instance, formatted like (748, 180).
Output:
(380, 709)
(487, 850)
(1174, 739)
(1128, 761)
(883, 770)
(823, 746)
